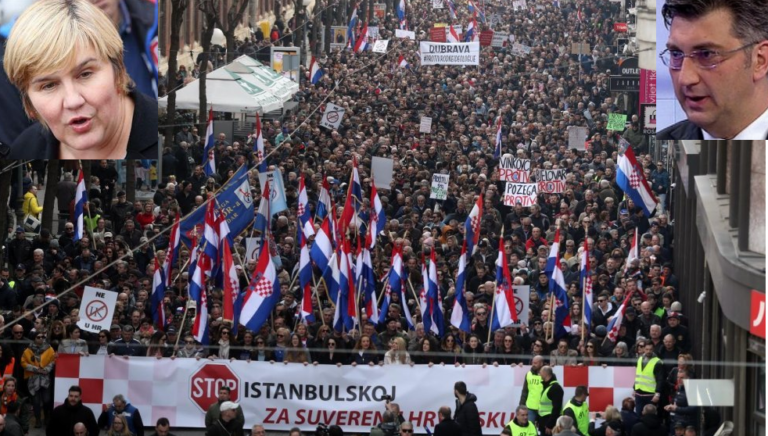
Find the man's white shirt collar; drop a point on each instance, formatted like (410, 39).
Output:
(757, 130)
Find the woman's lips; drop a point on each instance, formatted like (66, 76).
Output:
(81, 125)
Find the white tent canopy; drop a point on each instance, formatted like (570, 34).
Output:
(238, 88)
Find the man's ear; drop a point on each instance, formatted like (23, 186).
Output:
(760, 65)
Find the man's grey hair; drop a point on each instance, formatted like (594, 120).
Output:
(565, 422)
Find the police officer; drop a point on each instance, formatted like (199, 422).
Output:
(532, 389)
(520, 425)
(649, 379)
(578, 409)
(551, 402)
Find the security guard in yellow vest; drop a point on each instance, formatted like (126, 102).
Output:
(551, 401)
(532, 389)
(578, 409)
(649, 379)
(521, 426)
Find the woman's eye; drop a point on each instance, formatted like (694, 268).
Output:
(47, 86)
(86, 74)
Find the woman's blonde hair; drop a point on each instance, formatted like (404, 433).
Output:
(47, 37)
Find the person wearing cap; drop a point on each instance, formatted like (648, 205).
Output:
(520, 425)
(216, 411)
(20, 249)
(578, 409)
(551, 402)
(228, 423)
(679, 332)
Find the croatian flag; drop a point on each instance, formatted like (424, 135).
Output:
(263, 218)
(367, 280)
(231, 282)
(557, 286)
(81, 197)
(460, 314)
(198, 294)
(211, 237)
(354, 198)
(434, 299)
(258, 146)
(362, 44)
(633, 251)
(322, 250)
(504, 307)
(497, 150)
(262, 294)
(451, 9)
(378, 218)
(307, 226)
(471, 7)
(426, 316)
(315, 72)
(158, 293)
(305, 281)
(469, 36)
(351, 27)
(630, 178)
(332, 278)
(452, 36)
(173, 250)
(579, 15)
(394, 284)
(402, 63)
(401, 13)
(615, 324)
(209, 159)
(472, 225)
(324, 206)
(586, 283)
(347, 297)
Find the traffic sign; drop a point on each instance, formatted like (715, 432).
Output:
(205, 384)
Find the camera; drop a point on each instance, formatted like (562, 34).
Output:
(388, 398)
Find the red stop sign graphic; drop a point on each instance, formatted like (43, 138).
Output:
(206, 382)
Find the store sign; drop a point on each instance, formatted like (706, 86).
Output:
(757, 314)
(619, 83)
(649, 118)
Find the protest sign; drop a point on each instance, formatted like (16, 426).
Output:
(520, 50)
(617, 122)
(373, 32)
(338, 37)
(281, 397)
(576, 137)
(437, 34)
(409, 34)
(437, 4)
(381, 170)
(332, 116)
(439, 186)
(519, 4)
(524, 193)
(551, 181)
(380, 46)
(461, 53)
(252, 246)
(486, 38)
(426, 125)
(500, 39)
(380, 10)
(522, 302)
(512, 169)
(96, 309)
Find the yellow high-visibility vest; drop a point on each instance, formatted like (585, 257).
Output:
(545, 407)
(516, 430)
(645, 381)
(534, 383)
(582, 415)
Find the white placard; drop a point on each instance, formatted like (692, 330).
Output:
(426, 125)
(459, 53)
(399, 33)
(519, 4)
(96, 309)
(512, 169)
(499, 39)
(439, 186)
(252, 248)
(520, 49)
(437, 4)
(284, 396)
(381, 169)
(522, 303)
(332, 116)
(380, 46)
(373, 32)
(524, 193)
(576, 137)
(551, 181)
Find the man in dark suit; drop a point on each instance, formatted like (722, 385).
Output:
(717, 55)
(447, 426)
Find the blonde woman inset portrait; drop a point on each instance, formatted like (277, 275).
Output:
(66, 59)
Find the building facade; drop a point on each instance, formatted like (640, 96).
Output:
(719, 215)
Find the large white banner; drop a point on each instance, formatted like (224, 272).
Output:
(283, 396)
(459, 53)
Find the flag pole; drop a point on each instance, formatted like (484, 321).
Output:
(490, 315)
(549, 315)
(181, 329)
(87, 205)
(319, 303)
(583, 300)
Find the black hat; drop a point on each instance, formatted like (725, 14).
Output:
(21, 266)
(616, 426)
(121, 194)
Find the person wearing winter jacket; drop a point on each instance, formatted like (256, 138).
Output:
(650, 424)
(65, 416)
(38, 361)
(466, 415)
(679, 410)
(121, 406)
(551, 403)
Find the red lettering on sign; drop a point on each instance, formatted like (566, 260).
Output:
(206, 382)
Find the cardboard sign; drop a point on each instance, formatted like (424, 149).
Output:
(500, 39)
(380, 46)
(439, 186)
(381, 170)
(332, 116)
(437, 4)
(524, 193)
(426, 125)
(551, 181)
(617, 122)
(512, 169)
(437, 34)
(409, 34)
(486, 38)
(522, 302)
(580, 48)
(576, 137)
(380, 10)
(96, 309)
